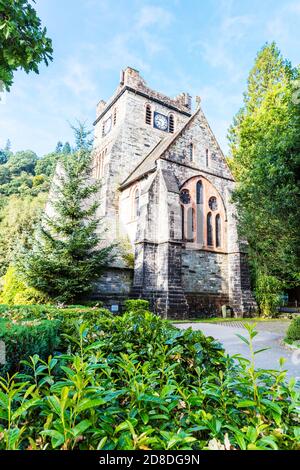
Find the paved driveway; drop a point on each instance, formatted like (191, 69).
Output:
(270, 336)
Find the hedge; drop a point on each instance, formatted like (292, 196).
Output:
(27, 338)
(293, 332)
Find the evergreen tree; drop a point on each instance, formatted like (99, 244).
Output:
(3, 157)
(7, 147)
(5, 153)
(66, 257)
(66, 150)
(82, 136)
(59, 146)
(265, 151)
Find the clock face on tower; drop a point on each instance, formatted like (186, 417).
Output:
(160, 121)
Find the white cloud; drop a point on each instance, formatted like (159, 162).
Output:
(153, 15)
(217, 49)
(283, 27)
(77, 78)
(120, 49)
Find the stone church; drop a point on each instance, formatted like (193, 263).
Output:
(166, 197)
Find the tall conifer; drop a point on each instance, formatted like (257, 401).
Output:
(68, 253)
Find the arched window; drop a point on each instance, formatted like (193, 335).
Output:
(209, 230)
(199, 192)
(203, 215)
(115, 116)
(190, 223)
(148, 119)
(218, 231)
(136, 211)
(171, 124)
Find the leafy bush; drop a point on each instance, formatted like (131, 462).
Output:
(68, 317)
(136, 382)
(293, 332)
(136, 305)
(27, 338)
(15, 292)
(268, 292)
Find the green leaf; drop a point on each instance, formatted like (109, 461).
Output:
(22, 409)
(89, 403)
(122, 427)
(81, 427)
(13, 437)
(261, 350)
(268, 441)
(145, 417)
(245, 340)
(252, 434)
(246, 403)
(55, 404)
(57, 438)
(102, 443)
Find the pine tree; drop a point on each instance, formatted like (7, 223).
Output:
(66, 150)
(82, 136)
(59, 147)
(3, 157)
(7, 147)
(5, 153)
(67, 256)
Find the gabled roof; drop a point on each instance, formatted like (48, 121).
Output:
(148, 164)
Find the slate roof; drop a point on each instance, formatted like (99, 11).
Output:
(148, 164)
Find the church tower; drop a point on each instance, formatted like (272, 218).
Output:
(126, 128)
(166, 188)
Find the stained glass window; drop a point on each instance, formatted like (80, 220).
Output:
(185, 196)
(213, 203)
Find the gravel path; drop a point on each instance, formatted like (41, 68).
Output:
(270, 336)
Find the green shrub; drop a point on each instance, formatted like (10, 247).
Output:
(43, 312)
(24, 339)
(68, 317)
(139, 383)
(136, 305)
(293, 332)
(88, 303)
(268, 293)
(15, 292)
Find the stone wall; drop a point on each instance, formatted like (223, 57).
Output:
(114, 281)
(203, 305)
(204, 271)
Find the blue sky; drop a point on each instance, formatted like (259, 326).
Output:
(204, 47)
